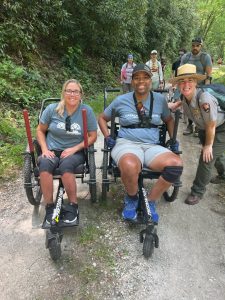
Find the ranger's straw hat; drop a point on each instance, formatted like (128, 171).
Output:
(187, 71)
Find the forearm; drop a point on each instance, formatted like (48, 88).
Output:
(103, 125)
(210, 135)
(170, 126)
(41, 137)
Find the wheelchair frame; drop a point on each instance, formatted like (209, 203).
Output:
(110, 173)
(54, 233)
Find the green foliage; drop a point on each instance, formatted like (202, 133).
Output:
(219, 75)
(12, 135)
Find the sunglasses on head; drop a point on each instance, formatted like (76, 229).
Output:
(68, 123)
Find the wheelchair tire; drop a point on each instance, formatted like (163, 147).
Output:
(33, 191)
(148, 245)
(171, 196)
(105, 185)
(54, 247)
(92, 174)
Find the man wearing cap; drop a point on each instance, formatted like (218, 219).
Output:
(203, 109)
(126, 74)
(156, 69)
(137, 143)
(203, 63)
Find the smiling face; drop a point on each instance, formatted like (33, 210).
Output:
(187, 87)
(72, 95)
(142, 84)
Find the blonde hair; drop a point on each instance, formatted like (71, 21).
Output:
(61, 106)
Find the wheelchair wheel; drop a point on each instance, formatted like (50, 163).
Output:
(171, 194)
(54, 246)
(105, 184)
(32, 187)
(148, 245)
(92, 173)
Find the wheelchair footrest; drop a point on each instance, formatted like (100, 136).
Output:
(59, 225)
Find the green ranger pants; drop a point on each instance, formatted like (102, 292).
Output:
(204, 170)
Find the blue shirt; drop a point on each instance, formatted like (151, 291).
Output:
(57, 136)
(126, 111)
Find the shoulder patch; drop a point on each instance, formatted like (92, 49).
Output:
(205, 107)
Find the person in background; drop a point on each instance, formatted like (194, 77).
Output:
(175, 66)
(137, 144)
(203, 63)
(203, 109)
(60, 134)
(126, 74)
(156, 70)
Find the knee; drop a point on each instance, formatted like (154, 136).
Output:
(130, 167)
(172, 173)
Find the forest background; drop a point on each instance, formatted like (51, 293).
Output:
(45, 42)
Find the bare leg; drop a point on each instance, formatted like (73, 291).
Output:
(130, 167)
(46, 182)
(70, 185)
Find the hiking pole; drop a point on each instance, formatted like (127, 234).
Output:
(85, 133)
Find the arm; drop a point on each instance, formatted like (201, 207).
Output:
(41, 137)
(207, 151)
(170, 125)
(208, 71)
(102, 122)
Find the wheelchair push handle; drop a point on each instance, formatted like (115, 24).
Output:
(29, 136)
(84, 118)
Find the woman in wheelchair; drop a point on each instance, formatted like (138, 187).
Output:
(61, 138)
(137, 143)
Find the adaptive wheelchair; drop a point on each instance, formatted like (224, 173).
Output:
(86, 172)
(110, 174)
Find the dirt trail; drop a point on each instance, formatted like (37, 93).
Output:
(102, 258)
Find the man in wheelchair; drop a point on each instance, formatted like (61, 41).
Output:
(60, 134)
(140, 114)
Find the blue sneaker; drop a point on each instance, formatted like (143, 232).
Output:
(130, 208)
(155, 216)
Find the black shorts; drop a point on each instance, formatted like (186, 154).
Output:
(65, 165)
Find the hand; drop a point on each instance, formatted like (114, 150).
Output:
(173, 146)
(48, 154)
(207, 153)
(110, 142)
(67, 152)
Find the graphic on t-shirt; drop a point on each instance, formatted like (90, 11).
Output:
(75, 128)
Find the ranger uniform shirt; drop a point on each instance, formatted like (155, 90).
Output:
(204, 110)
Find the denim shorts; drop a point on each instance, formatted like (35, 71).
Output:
(65, 165)
(145, 152)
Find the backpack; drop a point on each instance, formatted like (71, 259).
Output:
(217, 90)
(202, 59)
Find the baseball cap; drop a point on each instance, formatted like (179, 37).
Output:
(142, 68)
(197, 40)
(130, 56)
(154, 52)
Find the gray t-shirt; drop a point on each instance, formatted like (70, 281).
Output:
(57, 137)
(201, 61)
(126, 111)
(205, 111)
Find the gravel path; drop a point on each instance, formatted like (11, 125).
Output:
(102, 258)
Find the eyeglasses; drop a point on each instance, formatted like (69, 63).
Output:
(145, 78)
(68, 123)
(75, 92)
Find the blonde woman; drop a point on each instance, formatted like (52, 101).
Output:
(60, 135)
